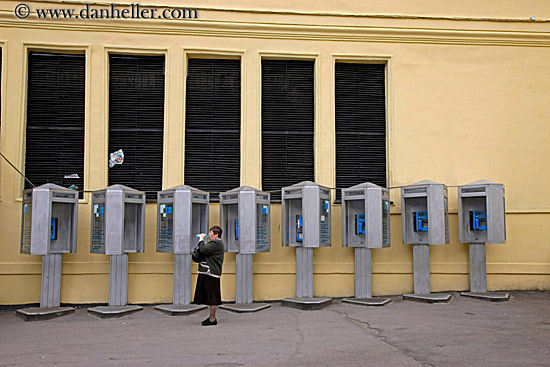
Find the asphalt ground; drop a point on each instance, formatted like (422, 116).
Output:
(464, 332)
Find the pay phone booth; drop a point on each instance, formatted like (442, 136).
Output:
(245, 220)
(306, 225)
(48, 228)
(425, 222)
(118, 228)
(365, 225)
(481, 219)
(182, 213)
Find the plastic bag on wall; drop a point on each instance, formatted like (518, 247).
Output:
(116, 158)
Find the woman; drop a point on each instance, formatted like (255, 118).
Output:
(208, 290)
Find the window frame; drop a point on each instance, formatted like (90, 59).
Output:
(386, 60)
(27, 48)
(316, 58)
(131, 51)
(215, 53)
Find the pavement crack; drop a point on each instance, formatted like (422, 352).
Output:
(377, 333)
(361, 324)
(300, 333)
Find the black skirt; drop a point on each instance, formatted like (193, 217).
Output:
(208, 291)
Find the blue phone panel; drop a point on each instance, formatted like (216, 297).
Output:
(420, 221)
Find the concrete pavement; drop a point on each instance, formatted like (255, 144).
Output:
(465, 332)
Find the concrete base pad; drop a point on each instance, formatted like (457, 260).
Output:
(428, 297)
(245, 307)
(39, 313)
(367, 301)
(179, 310)
(307, 303)
(488, 296)
(106, 312)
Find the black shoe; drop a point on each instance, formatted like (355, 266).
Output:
(207, 322)
(203, 322)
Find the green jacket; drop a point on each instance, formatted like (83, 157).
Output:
(213, 252)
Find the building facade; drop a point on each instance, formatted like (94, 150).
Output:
(222, 94)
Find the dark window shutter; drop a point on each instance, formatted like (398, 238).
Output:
(55, 119)
(213, 125)
(288, 106)
(136, 121)
(360, 125)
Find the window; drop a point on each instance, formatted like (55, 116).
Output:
(136, 121)
(360, 125)
(287, 124)
(213, 125)
(54, 150)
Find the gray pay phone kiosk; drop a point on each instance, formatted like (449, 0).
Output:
(118, 228)
(425, 222)
(48, 228)
(481, 219)
(182, 213)
(306, 225)
(245, 220)
(365, 225)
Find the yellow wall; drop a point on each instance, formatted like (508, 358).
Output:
(467, 99)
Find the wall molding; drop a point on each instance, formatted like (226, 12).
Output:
(305, 32)
(310, 13)
(144, 268)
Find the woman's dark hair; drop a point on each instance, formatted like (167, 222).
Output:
(217, 230)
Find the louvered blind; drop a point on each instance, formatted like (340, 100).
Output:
(55, 119)
(213, 125)
(360, 125)
(136, 121)
(287, 124)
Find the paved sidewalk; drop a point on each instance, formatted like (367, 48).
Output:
(465, 332)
